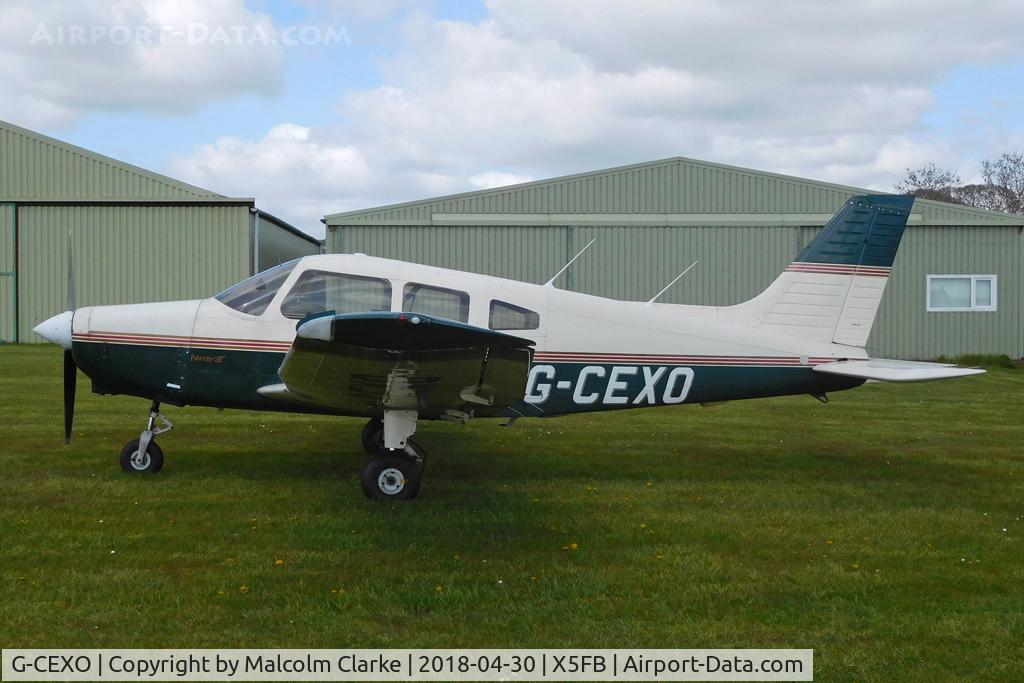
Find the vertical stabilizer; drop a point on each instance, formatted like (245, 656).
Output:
(832, 291)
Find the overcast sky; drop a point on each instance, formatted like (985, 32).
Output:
(319, 106)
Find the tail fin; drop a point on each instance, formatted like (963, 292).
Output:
(831, 292)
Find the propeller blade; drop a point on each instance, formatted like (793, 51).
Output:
(71, 276)
(70, 384)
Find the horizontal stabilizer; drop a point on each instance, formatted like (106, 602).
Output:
(885, 370)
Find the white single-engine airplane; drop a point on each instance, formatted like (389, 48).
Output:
(400, 342)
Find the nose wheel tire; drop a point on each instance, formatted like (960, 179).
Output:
(391, 477)
(136, 462)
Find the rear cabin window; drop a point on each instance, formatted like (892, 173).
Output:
(317, 291)
(252, 296)
(444, 303)
(506, 316)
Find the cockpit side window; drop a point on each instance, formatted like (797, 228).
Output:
(317, 291)
(253, 295)
(439, 301)
(506, 316)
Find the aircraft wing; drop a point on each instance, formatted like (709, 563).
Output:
(362, 363)
(885, 370)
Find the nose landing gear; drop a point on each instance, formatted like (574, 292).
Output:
(143, 454)
(395, 468)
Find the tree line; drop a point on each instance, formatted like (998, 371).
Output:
(1001, 189)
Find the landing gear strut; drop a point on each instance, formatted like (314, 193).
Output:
(143, 454)
(395, 467)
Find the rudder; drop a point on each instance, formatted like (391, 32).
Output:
(832, 290)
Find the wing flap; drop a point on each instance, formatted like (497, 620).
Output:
(366, 362)
(885, 370)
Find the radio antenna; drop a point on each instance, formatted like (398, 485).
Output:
(653, 298)
(551, 282)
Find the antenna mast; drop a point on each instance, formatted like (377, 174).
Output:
(551, 282)
(653, 298)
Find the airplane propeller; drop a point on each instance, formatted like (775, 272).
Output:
(70, 367)
(70, 382)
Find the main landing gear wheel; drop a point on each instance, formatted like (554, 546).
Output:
(391, 477)
(137, 462)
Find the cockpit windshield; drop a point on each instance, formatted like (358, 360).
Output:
(252, 296)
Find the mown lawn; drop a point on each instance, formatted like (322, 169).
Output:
(884, 530)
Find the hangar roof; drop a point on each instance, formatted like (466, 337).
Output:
(673, 191)
(37, 168)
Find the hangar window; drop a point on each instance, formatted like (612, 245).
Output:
(506, 316)
(252, 296)
(961, 293)
(444, 303)
(317, 291)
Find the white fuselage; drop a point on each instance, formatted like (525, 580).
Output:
(590, 352)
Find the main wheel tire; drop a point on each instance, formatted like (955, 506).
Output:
(390, 477)
(137, 463)
(373, 437)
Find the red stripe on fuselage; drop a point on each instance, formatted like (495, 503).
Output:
(176, 341)
(838, 269)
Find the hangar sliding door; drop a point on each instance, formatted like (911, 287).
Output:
(126, 254)
(8, 279)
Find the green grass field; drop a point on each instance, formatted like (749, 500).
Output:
(884, 530)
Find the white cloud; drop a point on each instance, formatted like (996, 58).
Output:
(800, 41)
(836, 91)
(59, 60)
(485, 181)
(290, 172)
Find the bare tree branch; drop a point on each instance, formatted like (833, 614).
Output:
(1005, 176)
(1002, 189)
(931, 182)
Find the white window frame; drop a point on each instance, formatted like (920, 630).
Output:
(974, 280)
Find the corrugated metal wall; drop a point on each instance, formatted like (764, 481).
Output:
(636, 262)
(8, 284)
(277, 245)
(736, 263)
(905, 329)
(523, 253)
(630, 263)
(126, 254)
